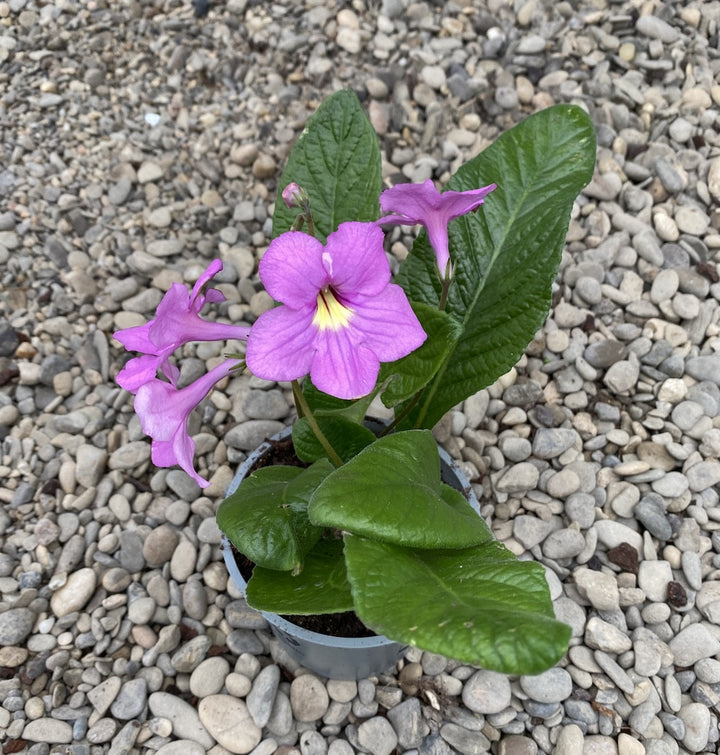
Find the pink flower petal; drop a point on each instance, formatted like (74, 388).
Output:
(213, 268)
(138, 371)
(136, 338)
(355, 259)
(176, 322)
(343, 368)
(370, 324)
(280, 345)
(409, 202)
(291, 269)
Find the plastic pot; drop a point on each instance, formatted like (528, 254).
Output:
(326, 655)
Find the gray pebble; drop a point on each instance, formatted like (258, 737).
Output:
(15, 625)
(552, 686)
(131, 700)
(261, 697)
(487, 692)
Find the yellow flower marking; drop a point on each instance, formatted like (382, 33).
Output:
(330, 313)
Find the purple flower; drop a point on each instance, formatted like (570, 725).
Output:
(164, 410)
(340, 315)
(422, 203)
(177, 321)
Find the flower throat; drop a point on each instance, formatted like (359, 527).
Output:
(330, 314)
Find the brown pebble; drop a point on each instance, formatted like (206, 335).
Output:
(676, 594)
(625, 556)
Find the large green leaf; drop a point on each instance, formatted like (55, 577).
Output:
(266, 517)
(479, 605)
(321, 587)
(409, 374)
(346, 437)
(337, 160)
(506, 255)
(392, 491)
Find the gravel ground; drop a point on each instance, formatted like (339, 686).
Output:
(138, 142)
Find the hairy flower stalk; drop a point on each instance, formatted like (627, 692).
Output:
(410, 204)
(340, 316)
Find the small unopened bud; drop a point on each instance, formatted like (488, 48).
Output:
(294, 196)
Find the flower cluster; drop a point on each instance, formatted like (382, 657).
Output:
(339, 316)
(162, 407)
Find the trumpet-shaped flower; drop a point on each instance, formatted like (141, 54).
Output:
(164, 410)
(423, 203)
(177, 321)
(340, 316)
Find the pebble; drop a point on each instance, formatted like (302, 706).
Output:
(75, 593)
(692, 644)
(130, 701)
(377, 736)
(229, 722)
(600, 589)
(208, 677)
(653, 579)
(260, 699)
(15, 625)
(48, 730)
(309, 698)
(601, 635)
(160, 545)
(486, 692)
(552, 686)
(185, 720)
(697, 720)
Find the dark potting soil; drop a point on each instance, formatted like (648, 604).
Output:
(345, 624)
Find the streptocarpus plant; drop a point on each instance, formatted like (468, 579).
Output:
(368, 524)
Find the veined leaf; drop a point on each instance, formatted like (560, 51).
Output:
(506, 254)
(479, 605)
(391, 491)
(337, 160)
(321, 587)
(266, 517)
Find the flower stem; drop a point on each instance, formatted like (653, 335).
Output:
(310, 221)
(404, 413)
(304, 411)
(444, 293)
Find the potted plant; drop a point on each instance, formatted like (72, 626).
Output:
(368, 524)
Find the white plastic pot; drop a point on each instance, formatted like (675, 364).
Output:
(326, 655)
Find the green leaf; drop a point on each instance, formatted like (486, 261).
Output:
(392, 491)
(345, 436)
(479, 605)
(506, 255)
(409, 374)
(337, 161)
(323, 404)
(321, 587)
(266, 517)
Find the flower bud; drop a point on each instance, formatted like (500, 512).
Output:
(293, 195)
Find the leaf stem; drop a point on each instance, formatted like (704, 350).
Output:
(304, 411)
